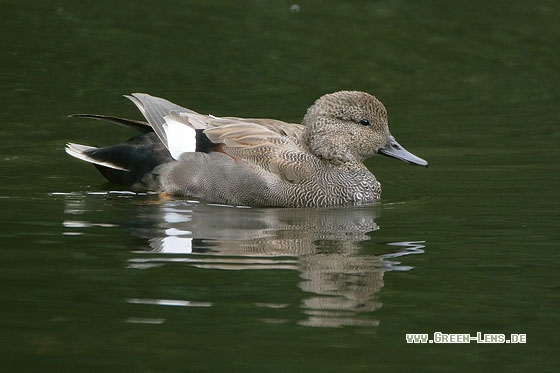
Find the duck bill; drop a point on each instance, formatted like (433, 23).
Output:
(395, 150)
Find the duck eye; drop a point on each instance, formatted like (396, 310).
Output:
(364, 122)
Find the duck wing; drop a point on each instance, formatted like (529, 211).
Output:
(271, 145)
(268, 144)
(155, 110)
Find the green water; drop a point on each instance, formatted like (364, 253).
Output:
(92, 277)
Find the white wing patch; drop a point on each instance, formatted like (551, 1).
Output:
(181, 138)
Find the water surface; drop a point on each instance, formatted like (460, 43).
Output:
(96, 277)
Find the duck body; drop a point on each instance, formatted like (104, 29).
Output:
(255, 186)
(253, 162)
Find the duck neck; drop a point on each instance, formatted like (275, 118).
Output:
(327, 148)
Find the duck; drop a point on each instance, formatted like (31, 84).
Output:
(252, 162)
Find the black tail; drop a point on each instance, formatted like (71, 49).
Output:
(125, 163)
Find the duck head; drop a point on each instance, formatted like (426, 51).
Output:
(350, 126)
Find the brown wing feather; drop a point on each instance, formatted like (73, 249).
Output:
(268, 144)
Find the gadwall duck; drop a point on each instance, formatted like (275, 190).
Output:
(253, 162)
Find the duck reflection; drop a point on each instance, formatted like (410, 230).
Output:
(324, 245)
(339, 275)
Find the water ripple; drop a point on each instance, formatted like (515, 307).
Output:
(338, 280)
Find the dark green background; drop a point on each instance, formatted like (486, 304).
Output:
(473, 87)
